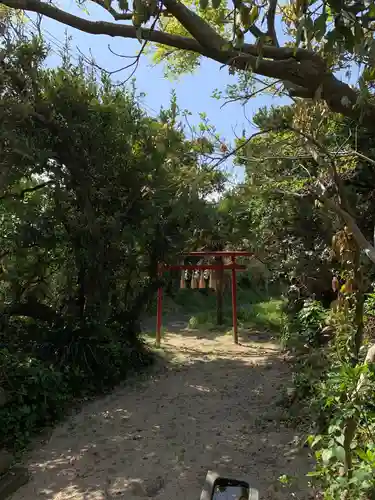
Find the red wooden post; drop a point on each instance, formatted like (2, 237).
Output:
(234, 302)
(159, 312)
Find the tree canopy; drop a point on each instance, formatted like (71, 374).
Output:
(301, 45)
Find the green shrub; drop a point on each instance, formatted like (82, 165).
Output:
(312, 318)
(266, 315)
(40, 390)
(349, 437)
(342, 417)
(37, 396)
(304, 327)
(370, 305)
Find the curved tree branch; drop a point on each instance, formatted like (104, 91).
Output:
(271, 31)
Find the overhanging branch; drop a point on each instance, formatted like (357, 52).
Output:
(359, 237)
(304, 69)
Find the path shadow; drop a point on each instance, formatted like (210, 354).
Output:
(245, 334)
(180, 325)
(157, 439)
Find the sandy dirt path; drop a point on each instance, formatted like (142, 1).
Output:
(213, 407)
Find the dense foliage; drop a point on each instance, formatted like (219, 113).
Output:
(94, 193)
(310, 244)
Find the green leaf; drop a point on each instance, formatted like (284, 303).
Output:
(327, 455)
(340, 440)
(333, 428)
(313, 474)
(362, 454)
(315, 440)
(320, 25)
(361, 475)
(339, 453)
(254, 14)
(285, 480)
(329, 14)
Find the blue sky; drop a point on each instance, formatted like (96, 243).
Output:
(193, 91)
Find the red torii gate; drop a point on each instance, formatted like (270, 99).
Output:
(233, 266)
